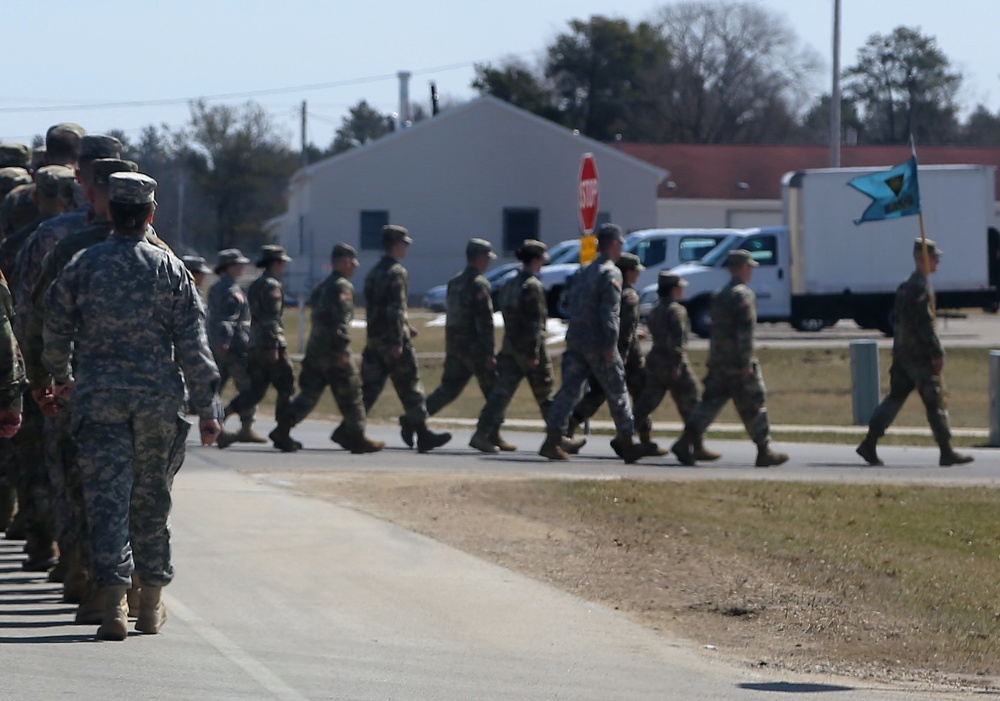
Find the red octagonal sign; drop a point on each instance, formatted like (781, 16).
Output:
(587, 194)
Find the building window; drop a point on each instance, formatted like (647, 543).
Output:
(372, 221)
(519, 223)
(763, 249)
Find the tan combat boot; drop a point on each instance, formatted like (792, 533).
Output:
(134, 596)
(358, 443)
(500, 443)
(91, 609)
(769, 458)
(152, 612)
(248, 435)
(114, 624)
(552, 448)
(481, 442)
(700, 452)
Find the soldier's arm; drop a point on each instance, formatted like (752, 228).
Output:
(269, 319)
(11, 365)
(482, 314)
(33, 323)
(745, 318)
(921, 309)
(226, 315)
(191, 345)
(61, 323)
(336, 304)
(610, 308)
(676, 322)
(395, 302)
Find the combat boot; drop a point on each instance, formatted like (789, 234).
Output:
(8, 499)
(91, 609)
(41, 554)
(574, 423)
(481, 442)
(16, 530)
(114, 623)
(133, 597)
(552, 447)
(152, 612)
(358, 443)
(248, 435)
(226, 439)
(646, 438)
(629, 450)
(682, 449)
(76, 585)
(282, 441)
(769, 458)
(427, 440)
(866, 449)
(950, 458)
(57, 575)
(406, 430)
(500, 443)
(700, 452)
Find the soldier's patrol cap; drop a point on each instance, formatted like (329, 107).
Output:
(11, 177)
(196, 264)
(532, 248)
(229, 256)
(14, 155)
(392, 233)
(271, 252)
(65, 139)
(52, 181)
(38, 157)
(630, 261)
(740, 256)
(343, 250)
(94, 146)
(667, 281)
(105, 167)
(131, 188)
(477, 246)
(610, 232)
(932, 248)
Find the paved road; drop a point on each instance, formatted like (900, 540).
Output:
(283, 596)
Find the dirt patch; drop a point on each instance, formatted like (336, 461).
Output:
(667, 581)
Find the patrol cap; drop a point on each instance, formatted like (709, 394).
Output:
(932, 248)
(610, 232)
(343, 250)
(667, 281)
(392, 233)
(53, 181)
(93, 146)
(196, 264)
(104, 167)
(630, 261)
(38, 157)
(11, 177)
(477, 246)
(532, 248)
(740, 256)
(63, 141)
(131, 188)
(14, 154)
(270, 253)
(229, 256)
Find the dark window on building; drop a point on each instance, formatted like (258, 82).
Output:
(519, 223)
(372, 221)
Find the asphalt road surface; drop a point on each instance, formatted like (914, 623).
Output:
(280, 595)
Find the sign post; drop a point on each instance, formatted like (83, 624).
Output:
(587, 196)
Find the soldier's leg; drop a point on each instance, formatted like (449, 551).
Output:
(456, 375)
(649, 399)
(406, 380)
(282, 376)
(312, 382)
(345, 384)
(611, 376)
(541, 380)
(509, 377)
(374, 373)
(749, 395)
(28, 443)
(635, 374)
(931, 391)
(900, 386)
(237, 368)
(590, 402)
(715, 396)
(8, 490)
(575, 372)
(684, 391)
(260, 379)
(486, 378)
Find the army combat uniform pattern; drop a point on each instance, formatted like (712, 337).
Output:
(667, 366)
(229, 335)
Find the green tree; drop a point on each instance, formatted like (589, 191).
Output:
(982, 128)
(903, 85)
(362, 124)
(516, 83)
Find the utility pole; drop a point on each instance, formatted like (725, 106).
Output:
(304, 157)
(835, 92)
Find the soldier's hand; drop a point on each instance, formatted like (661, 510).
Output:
(609, 355)
(273, 355)
(45, 398)
(748, 372)
(676, 374)
(396, 351)
(10, 422)
(63, 392)
(937, 365)
(491, 363)
(343, 360)
(533, 363)
(642, 335)
(210, 430)
(413, 332)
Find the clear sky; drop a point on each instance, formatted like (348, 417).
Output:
(78, 61)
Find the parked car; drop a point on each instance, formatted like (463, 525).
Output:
(435, 299)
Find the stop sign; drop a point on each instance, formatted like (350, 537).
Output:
(587, 194)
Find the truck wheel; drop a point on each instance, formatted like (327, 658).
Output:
(701, 320)
(808, 325)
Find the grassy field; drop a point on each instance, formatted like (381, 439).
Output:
(805, 386)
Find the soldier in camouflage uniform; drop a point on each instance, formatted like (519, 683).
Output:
(11, 387)
(917, 361)
(469, 336)
(592, 351)
(52, 197)
(667, 366)
(523, 353)
(128, 314)
(267, 361)
(229, 333)
(733, 370)
(629, 336)
(389, 353)
(14, 155)
(328, 361)
(198, 267)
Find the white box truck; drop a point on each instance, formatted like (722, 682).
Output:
(821, 267)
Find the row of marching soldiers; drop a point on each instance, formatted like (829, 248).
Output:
(110, 344)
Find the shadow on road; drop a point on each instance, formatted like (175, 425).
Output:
(794, 688)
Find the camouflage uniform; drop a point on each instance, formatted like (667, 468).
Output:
(11, 386)
(18, 209)
(128, 314)
(266, 299)
(523, 353)
(667, 366)
(229, 334)
(595, 304)
(469, 339)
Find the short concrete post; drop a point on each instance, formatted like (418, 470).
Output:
(864, 380)
(994, 398)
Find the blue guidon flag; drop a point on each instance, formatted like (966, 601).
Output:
(895, 192)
